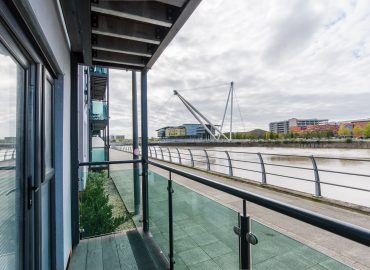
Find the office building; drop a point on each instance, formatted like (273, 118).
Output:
(185, 131)
(283, 127)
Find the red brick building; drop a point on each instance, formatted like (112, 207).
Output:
(316, 128)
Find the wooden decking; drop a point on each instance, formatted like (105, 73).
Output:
(119, 251)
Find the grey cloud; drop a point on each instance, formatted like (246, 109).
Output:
(217, 45)
(292, 32)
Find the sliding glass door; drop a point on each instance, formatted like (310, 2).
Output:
(12, 85)
(26, 158)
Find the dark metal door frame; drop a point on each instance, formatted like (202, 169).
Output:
(32, 55)
(24, 151)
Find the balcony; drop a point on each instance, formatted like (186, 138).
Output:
(99, 154)
(189, 230)
(99, 113)
(98, 71)
(99, 82)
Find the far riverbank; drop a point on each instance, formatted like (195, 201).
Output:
(278, 143)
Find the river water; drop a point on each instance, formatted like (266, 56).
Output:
(240, 155)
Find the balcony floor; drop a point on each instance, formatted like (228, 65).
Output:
(124, 250)
(203, 229)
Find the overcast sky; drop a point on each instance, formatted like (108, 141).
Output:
(291, 58)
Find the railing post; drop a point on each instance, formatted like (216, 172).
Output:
(178, 153)
(263, 170)
(144, 149)
(207, 158)
(160, 148)
(169, 154)
(150, 151)
(317, 177)
(230, 164)
(155, 152)
(191, 158)
(246, 239)
(170, 221)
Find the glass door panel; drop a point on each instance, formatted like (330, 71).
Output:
(12, 82)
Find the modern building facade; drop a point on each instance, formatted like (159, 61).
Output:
(330, 128)
(44, 49)
(93, 119)
(175, 132)
(117, 138)
(99, 114)
(333, 127)
(185, 131)
(283, 127)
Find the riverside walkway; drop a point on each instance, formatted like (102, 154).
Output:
(343, 250)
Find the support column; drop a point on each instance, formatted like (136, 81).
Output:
(135, 143)
(107, 131)
(144, 149)
(74, 152)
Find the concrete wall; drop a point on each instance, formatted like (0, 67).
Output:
(51, 22)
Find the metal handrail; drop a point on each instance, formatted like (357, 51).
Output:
(210, 160)
(347, 230)
(112, 162)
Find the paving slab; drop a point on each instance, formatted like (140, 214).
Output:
(280, 233)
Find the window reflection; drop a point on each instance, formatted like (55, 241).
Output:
(11, 82)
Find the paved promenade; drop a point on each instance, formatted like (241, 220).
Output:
(348, 252)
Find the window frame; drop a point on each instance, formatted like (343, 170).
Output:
(47, 175)
(8, 41)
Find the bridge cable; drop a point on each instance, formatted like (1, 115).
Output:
(240, 112)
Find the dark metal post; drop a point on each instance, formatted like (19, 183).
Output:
(230, 164)
(155, 152)
(135, 142)
(317, 177)
(191, 158)
(178, 152)
(245, 248)
(160, 148)
(169, 154)
(150, 151)
(107, 128)
(170, 221)
(207, 158)
(263, 170)
(144, 146)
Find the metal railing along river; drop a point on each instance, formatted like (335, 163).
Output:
(168, 203)
(305, 173)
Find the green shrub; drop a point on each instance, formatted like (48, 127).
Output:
(96, 215)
